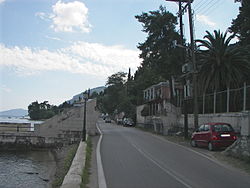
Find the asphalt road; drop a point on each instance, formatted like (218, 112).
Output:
(135, 159)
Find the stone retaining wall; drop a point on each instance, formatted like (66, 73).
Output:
(31, 141)
(73, 178)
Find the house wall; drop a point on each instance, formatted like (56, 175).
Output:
(172, 118)
(168, 120)
(240, 120)
(139, 118)
(165, 92)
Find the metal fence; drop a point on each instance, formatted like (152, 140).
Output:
(230, 100)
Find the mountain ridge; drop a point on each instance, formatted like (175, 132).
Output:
(18, 112)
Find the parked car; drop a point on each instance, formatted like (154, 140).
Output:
(213, 136)
(128, 122)
(107, 120)
(119, 121)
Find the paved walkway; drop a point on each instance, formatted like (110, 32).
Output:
(93, 180)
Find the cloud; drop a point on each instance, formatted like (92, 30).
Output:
(2, 1)
(80, 58)
(5, 89)
(205, 20)
(44, 16)
(69, 17)
(116, 57)
(53, 38)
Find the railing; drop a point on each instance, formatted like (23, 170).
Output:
(230, 100)
(8, 127)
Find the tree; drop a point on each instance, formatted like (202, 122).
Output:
(144, 77)
(38, 111)
(241, 25)
(221, 65)
(129, 75)
(113, 94)
(94, 95)
(117, 79)
(161, 60)
(33, 110)
(158, 52)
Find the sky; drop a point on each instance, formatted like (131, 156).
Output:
(54, 49)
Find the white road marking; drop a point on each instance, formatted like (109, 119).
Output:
(101, 177)
(171, 173)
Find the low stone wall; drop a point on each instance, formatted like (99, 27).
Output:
(31, 141)
(239, 120)
(73, 178)
(15, 127)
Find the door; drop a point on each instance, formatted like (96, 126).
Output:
(199, 135)
(206, 135)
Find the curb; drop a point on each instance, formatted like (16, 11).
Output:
(73, 178)
(101, 177)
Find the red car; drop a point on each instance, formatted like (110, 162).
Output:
(214, 135)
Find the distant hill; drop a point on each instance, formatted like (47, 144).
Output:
(76, 97)
(97, 89)
(14, 113)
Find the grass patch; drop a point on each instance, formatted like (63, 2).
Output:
(177, 139)
(243, 164)
(86, 170)
(64, 165)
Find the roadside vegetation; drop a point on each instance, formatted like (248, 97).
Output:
(87, 166)
(64, 158)
(221, 62)
(240, 163)
(43, 110)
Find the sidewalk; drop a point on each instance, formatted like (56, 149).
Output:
(93, 177)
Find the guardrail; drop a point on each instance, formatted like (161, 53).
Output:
(9, 127)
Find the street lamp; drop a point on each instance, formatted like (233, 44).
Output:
(85, 97)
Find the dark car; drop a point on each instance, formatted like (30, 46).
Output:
(128, 122)
(119, 121)
(107, 120)
(213, 136)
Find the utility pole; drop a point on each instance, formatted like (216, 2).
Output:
(181, 26)
(85, 96)
(195, 91)
(191, 28)
(183, 60)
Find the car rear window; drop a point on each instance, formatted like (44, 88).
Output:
(222, 128)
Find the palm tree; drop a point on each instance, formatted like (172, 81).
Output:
(221, 65)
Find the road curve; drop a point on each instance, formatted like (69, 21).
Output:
(135, 159)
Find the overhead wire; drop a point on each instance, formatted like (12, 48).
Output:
(204, 5)
(209, 9)
(198, 3)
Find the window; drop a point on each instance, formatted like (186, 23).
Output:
(222, 128)
(201, 128)
(206, 127)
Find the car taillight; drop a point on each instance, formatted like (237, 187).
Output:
(235, 137)
(215, 137)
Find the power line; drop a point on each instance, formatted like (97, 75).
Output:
(204, 5)
(207, 10)
(197, 3)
